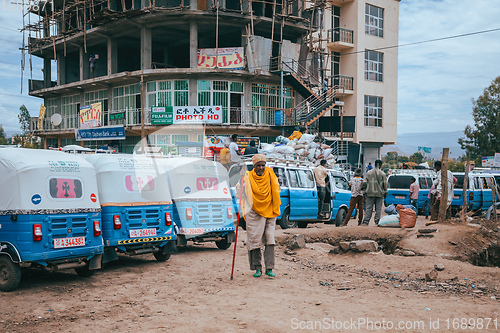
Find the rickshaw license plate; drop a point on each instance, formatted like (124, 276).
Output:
(60, 243)
(142, 232)
(399, 196)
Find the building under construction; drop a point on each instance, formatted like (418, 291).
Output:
(271, 65)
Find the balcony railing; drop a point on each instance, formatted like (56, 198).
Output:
(343, 81)
(256, 116)
(342, 35)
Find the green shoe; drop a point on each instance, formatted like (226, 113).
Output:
(258, 273)
(269, 272)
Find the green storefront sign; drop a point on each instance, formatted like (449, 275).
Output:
(115, 116)
(162, 115)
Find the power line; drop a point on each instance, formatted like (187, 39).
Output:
(9, 29)
(18, 96)
(427, 41)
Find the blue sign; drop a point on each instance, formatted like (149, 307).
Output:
(36, 199)
(187, 189)
(100, 133)
(424, 149)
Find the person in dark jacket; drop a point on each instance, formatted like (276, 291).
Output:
(251, 150)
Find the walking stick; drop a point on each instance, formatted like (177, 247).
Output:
(237, 225)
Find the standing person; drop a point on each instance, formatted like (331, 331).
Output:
(439, 191)
(92, 62)
(369, 167)
(375, 188)
(262, 206)
(298, 134)
(356, 197)
(429, 202)
(225, 156)
(234, 150)
(413, 199)
(320, 174)
(252, 150)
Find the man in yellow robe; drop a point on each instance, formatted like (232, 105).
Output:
(262, 206)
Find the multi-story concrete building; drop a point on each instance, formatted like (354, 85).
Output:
(271, 65)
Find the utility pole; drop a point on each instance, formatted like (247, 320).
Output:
(443, 205)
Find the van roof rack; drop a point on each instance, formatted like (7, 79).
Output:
(413, 172)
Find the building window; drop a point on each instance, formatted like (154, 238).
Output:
(266, 100)
(373, 111)
(374, 21)
(126, 105)
(374, 66)
(168, 93)
(227, 94)
(70, 111)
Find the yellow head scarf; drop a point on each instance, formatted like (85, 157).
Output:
(263, 192)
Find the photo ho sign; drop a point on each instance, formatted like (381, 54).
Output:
(197, 114)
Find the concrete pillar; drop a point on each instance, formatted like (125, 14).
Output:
(144, 3)
(145, 48)
(244, 37)
(193, 4)
(247, 99)
(47, 70)
(84, 64)
(193, 92)
(193, 45)
(61, 69)
(112, 56)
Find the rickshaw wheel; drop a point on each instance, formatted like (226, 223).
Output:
(223, 244)
(160, 256)
(84, 271)
(10, 274)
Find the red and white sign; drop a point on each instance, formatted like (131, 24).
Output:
(223, 57)
(190, 231)
(197, 114)
(224, 190)
(207, 183)
(134, 233)
(60, 243)
(93, 197)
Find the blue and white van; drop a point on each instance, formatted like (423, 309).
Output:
(399, 181)
(299, 194)
(137, 209)
(479, 192)
(50, 216)
(203, 209)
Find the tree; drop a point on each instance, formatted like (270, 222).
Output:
(484, 139)
(3, 139)
(24, 119)
(417, 158)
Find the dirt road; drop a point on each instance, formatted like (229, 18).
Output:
(314, 290)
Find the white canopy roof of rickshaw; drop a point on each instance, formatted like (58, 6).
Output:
(127, 178)
(27, 177)
(196, 178)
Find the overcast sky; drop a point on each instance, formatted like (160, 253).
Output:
(437, 80)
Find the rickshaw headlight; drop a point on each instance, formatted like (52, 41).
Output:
(189, 214)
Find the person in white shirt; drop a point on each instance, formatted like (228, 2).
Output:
(439, 191)
(234, 150)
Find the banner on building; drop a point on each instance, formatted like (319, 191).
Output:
(424, 150)
(162, 115)
(491, 161)
(41, 115)
(100, 133)
(228, 57)
(197, 114)
(90, 115)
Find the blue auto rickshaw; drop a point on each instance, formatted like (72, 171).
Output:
(202, 200)
(137, 214)
(49, 214)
